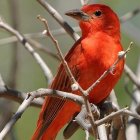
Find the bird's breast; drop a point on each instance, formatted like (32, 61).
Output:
(95, 58)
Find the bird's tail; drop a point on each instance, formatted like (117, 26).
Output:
(41, 132)
(49, 134)
(48, 131)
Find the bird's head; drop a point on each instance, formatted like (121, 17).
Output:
(95, 18)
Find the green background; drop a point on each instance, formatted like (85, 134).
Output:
(30, 76)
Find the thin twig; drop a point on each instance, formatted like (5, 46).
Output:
(91, 118)
(123, 111)
(48, 33)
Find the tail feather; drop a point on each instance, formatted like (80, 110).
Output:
(49, 134)
(44, 132)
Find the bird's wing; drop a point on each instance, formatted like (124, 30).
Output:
(61, 82)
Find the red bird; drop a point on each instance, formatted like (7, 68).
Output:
(90, 56)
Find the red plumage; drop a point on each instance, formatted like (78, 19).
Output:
(90, 56)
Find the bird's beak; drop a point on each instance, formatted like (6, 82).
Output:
(78, 14)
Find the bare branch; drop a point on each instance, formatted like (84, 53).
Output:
(132, 132)
(55, 93)
(132, 76)
(118, 127)
(87, 135)
(40, 61)
(34, 43)
(83, 115)
(38, 46)
(14, 95)
(28, 100)
(56, 32)
(18, 96)
(102, 132)
(59, 19)
(15, 117)
(133, 124)
(61, 31)
(113, 99)
(123, 111)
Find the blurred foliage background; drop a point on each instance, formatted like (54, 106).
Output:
(30, 76)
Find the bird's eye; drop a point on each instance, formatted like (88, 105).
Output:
(97, 13)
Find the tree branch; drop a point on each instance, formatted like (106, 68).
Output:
(14, 95)
(21, 38)
(61, 31)
(123, 111)
(133, 124)
(59, 19)
(29, 99)
(132, 76)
